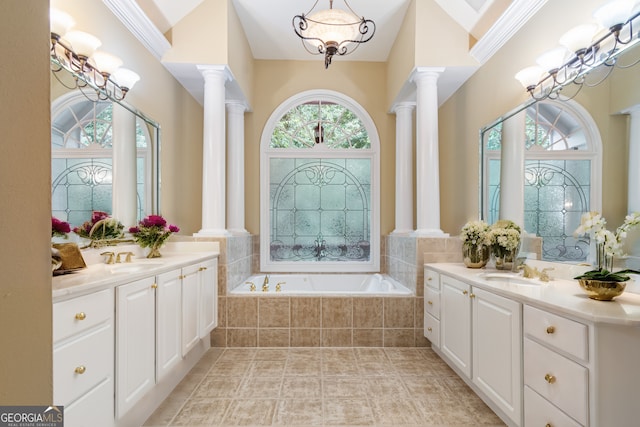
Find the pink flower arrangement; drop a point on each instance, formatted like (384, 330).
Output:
(100, 227)
(59, 228)
(152, 231)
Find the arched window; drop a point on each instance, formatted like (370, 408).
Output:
(562, 175)
(82, 151)
(319, 186)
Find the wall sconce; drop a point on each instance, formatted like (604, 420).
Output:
(76, 52)
(583, 49)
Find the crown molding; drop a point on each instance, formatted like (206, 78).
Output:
(139, 24)
(516, 15)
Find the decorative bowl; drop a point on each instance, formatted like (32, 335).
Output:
(602, 290)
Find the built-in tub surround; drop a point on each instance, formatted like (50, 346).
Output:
(322, 285)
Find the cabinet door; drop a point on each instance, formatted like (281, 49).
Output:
(208, 297)
(497, 355)
(190, 308)
(168, 322)
(135, 342)
(455, 323)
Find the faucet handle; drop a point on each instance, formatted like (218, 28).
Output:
(544, 275)
(127, 254)
(109, 256)
(252, 286)
(279, 286)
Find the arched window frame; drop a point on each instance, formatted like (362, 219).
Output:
(95, 152)
(593, 153)
(322, 152)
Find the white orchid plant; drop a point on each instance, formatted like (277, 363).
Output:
(608, 244)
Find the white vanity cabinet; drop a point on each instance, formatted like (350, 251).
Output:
(480, 337)
(432, 307)
(83, 359)
(208, 285)
(168, 322)
(135, 342)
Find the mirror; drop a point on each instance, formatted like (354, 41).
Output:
(105, 155)
(576, 159)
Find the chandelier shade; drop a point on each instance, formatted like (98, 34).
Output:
(332, 31)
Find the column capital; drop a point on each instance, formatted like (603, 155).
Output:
(215, 70)
(236, 106)
(420, 73)
(403, 106)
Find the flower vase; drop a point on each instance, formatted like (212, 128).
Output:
(604, 260)
(475, 256)
(504, 259)
(154, 250)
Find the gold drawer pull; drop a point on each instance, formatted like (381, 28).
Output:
(429, 278)
(548, 425)
(550, 378)
(551, 329)
(472, 295)
(154, 286)
(465, 292)
(80, 370)
(202, 268)
(429, 329)
(430, 302)
(81, 316)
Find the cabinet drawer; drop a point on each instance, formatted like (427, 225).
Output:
(432, 302)
(561, 333)
(561, 381)
(94, 409)
(431, 278)
(539, 412)
(93, 352)
(432, 330)
(79, 314)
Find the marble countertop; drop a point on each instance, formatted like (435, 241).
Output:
(98, 275)
(562, 295)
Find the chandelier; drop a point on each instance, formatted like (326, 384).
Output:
(583, 49)
(332, 31)
(76, 52)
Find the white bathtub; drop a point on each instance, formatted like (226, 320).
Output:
(324, 285)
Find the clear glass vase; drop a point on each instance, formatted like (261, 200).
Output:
(504, 258)
(475, 256)
(604, 260)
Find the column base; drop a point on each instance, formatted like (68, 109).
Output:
(238, 232)
(212, 233)
(402, 232)
(430, 232)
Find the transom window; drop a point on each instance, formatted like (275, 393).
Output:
(562, 166)
(319, 192)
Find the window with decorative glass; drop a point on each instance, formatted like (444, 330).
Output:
(81, 165)
(322, 189)
(562, 160)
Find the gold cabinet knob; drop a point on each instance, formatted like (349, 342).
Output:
(551, 329)
(550, 378)
(548, 425)
(430, 302)
(429, 278)
(154, 286)
(472, 295)
(429, 329)
(202, 268)
(465, 292)
(80, 370)
(81, 316)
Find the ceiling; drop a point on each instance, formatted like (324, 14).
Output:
(268, 23)
(269, 31)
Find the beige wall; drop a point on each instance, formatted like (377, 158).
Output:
(401, 59)
(276, 81)
(493, 91)
(26, 374)
(240, 56)
(159, 96)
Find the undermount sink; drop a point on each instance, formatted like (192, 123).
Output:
(132, 267)
(509, 278)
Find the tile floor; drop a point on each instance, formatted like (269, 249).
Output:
(322, 387)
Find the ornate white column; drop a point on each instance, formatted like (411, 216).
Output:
(633, 186)
(512, 169)
(427, 160)
(124, 186)
(404, 167)
(213, 152)
(235, 171)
